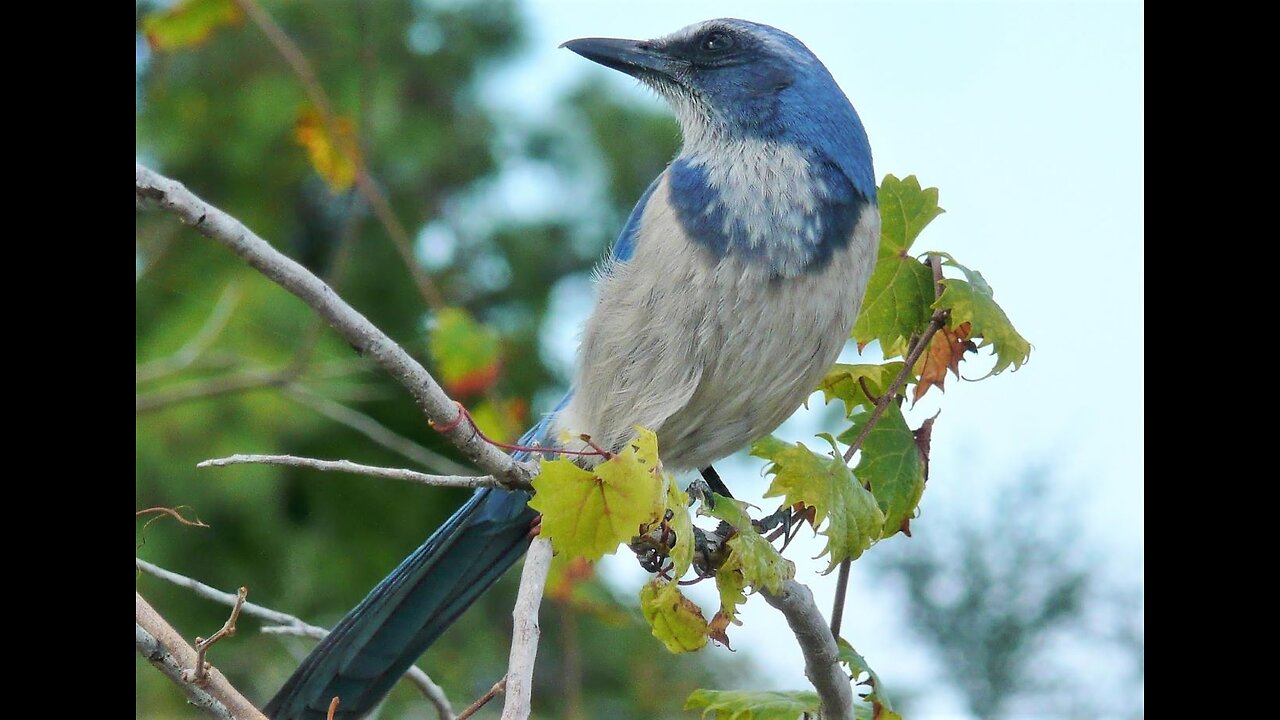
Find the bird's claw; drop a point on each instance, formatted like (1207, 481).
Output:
(700, 489)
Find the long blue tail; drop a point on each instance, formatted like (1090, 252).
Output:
(378, 640)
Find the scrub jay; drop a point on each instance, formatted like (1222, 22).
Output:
(731, 290)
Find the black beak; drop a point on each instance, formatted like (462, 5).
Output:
(637, 58)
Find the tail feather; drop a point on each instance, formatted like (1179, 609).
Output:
(380, 638)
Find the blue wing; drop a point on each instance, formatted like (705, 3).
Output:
(625, 247)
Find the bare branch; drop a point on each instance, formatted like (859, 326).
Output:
(223, 598)
(155, 653)
(524, 636)
(286, 624)
(821, 655)
(456, 481)
(375, 431)
(483, 700)
(197, 345)
(170, 512)
(201, 673)
(165, 649)
(361, 334)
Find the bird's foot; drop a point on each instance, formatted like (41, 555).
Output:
(707, 487)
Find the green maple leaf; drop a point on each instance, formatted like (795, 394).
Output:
(673, 618)
(588, 513)
(891, 466)
(188, 23)
(973, 301)
(466, 352)
(760, 563)
(845, 382)
(881, 709)
(900, 291)
(753, 705)
(824, 482)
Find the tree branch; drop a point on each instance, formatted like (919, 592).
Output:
(201, 674)
(162, 646)
(484, 699)
(455, 481)
(286, 624)
(821, 655)
(367, 339)
(524, 636)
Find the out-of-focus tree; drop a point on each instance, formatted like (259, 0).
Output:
(227, 116)
(994, 594)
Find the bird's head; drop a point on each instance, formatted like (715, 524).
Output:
(730, 78)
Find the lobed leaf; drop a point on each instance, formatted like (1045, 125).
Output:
(973, 301)
(891, 466)
(824, 482)
(900, 290)
(588, 513)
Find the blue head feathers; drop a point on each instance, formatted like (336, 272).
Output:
(737, 78)
(775, 167)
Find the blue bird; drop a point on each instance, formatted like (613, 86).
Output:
(731, 290)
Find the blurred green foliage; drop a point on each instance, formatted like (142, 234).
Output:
(220, 116)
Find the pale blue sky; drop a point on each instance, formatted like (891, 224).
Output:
(1029, 116)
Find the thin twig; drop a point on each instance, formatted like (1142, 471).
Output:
(375, 431)
(200, 676)
(524, 635)
(842, 589)
(171, 512)
(456, 481)
(890, 395)
(162, 646)
(365, 183)
(821, 655)
(935, 324)
(198, 344)
(366, 338)
(286, 624)
(223, 598)
(484, 699)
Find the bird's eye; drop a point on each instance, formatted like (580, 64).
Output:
(716, 41)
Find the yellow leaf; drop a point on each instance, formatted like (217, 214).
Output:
(588, 513)
(673, 618)
(334, 159)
